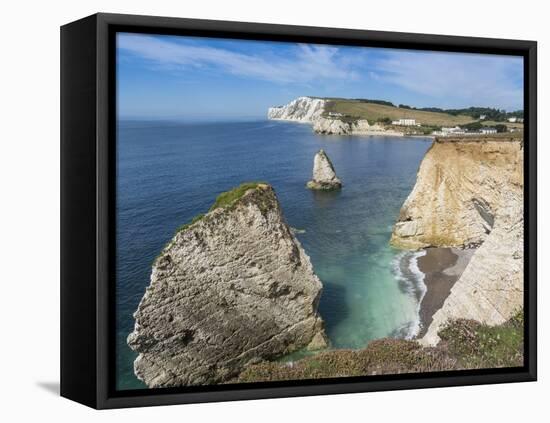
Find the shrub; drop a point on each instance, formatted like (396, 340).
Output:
(465, 344)
(480, 346)
(229, 197)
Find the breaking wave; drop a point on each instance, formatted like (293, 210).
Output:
(411, 281)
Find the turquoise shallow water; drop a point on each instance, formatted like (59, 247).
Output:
(167, 173)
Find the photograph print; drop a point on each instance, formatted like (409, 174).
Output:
(291, 212)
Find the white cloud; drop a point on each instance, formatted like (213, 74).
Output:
(308, 63)
(434, 78)
(452, 78)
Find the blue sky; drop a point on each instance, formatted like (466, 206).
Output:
(193, 78)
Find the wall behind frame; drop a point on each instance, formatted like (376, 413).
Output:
(29, 175)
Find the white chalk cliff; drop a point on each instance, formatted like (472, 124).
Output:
(469, 193)
(302, 109)
(232, 288)
(312, 110)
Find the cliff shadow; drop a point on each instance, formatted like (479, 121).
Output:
(332, 306)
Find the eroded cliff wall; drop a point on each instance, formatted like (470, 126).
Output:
(469, 193)
(336, 126)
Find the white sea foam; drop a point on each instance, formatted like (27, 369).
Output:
(411, 280)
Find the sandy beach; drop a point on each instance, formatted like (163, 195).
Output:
(442, 267)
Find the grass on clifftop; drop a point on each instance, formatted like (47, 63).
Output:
(465, 344)
(355, 109)
(225, 199)
(229, 197)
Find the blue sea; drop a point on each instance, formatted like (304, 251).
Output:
(169, 172)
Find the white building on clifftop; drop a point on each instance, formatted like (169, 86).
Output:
(405, 122)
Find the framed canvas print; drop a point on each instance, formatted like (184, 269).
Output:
(255, 211)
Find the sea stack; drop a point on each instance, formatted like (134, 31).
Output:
(324, 176)
(231, 288)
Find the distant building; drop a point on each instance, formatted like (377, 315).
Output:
(488, 130)
(457, 130)
(482, 117)
(405, 122)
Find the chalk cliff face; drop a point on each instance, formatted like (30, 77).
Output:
(324, 176)
(230, 289)
(335, 126)
(312, 110)
(332, 126)
(302, 109)
(469, 192)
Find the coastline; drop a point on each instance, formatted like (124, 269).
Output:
(358, 133)
(375, 134)
(441, 267)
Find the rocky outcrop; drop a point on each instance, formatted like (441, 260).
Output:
(328, 126)
(335, 126)
(469, 192)
(302, 109)
(324, 176)
(232, 288)
(312, 110)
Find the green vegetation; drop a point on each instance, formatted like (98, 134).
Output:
(359, 100)
(348, 118)
(385, 356)
(474, 126)
(415, 130)
(478, 346)
(465, 344)
(476, 112)
(227, 198)
(376, 112)
(500, 127)
(382, 102)
(385, 120)
(427, 130)
(509, 125)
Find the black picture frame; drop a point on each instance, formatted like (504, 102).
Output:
(87, 208)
